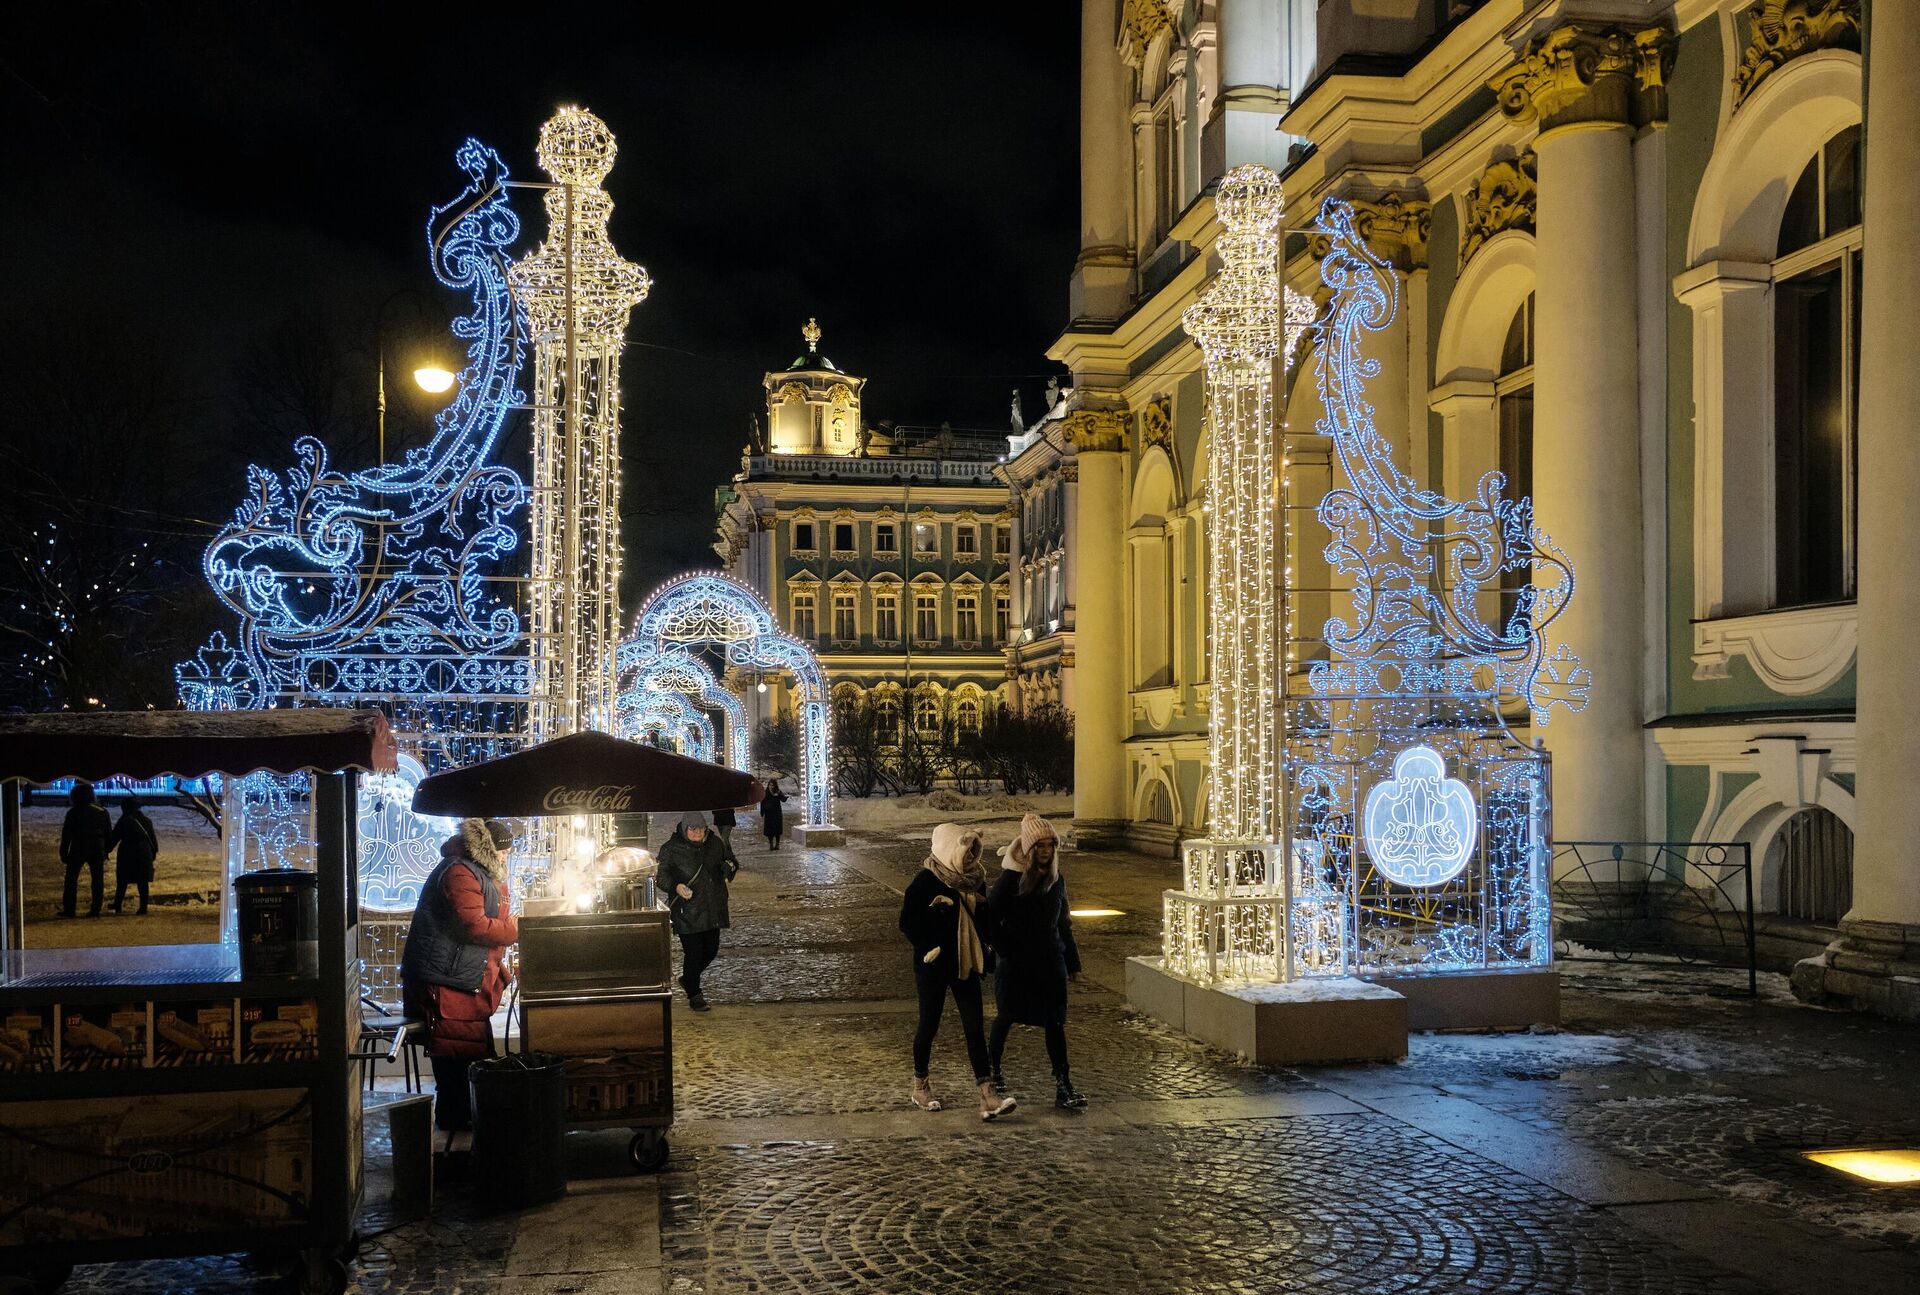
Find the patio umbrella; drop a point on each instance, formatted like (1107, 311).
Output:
(584, 773)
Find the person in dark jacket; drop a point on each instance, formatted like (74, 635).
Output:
(724, 821)
(1032, 932)
(84, 838)
(135, 846)
(695, 867)
(453, 971)
(773, 818)
(943, 917)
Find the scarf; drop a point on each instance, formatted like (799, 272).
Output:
(949, 863)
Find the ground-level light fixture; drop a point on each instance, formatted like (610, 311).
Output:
(1096, 912)
(1891, 1166)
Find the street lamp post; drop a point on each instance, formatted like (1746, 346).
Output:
(433, 378)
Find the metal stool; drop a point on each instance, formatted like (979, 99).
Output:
(389, 1035)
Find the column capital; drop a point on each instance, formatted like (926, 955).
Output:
(1585, 73)
(1395, 230)
(1096, 431)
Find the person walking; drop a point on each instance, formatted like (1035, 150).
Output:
(135, 845)
(1032, 932)
(772, 816)
(84, 837)
(453, 972)
(943, 917)
(724, 821)
(695, 867)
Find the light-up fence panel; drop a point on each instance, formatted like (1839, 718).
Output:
(577, 292)
(1413, 813)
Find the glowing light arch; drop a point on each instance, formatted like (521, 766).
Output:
(712, 609)
(681, 672)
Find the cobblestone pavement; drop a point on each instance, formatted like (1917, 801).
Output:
(1651, 1145)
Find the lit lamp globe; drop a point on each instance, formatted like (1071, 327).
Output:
(435, 380)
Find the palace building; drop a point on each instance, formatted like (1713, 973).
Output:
(1652, 258)
(883, 548)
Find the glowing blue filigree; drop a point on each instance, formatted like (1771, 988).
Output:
(1420, 824)
(378, 573)
(398, 847)
(708, 608)
(680, 671)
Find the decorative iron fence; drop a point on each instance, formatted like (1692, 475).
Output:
(1692, 900)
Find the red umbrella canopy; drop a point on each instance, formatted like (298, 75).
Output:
(584, 773)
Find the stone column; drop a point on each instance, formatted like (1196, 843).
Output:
(1591, 88)
(1876, 963)
(1096, 529)
(1256, 43)
(1102, 281)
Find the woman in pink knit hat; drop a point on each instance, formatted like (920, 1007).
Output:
(1032, 930)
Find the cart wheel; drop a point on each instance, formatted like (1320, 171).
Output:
(649, 1151)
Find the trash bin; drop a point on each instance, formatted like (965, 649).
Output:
(278, 915)
(519, 1127)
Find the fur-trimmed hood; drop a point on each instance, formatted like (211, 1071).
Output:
(481, 839)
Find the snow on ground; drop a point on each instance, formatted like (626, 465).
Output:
(185, 895)
(913, 818)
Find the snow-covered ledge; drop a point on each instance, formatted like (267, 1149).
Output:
(1797, 651)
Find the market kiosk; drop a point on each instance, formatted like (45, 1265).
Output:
(160, 1101)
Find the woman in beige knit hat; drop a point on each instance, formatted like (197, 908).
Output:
(1032, 931)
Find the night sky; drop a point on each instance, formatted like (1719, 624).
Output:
(191, 179)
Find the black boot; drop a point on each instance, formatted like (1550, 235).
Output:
(1064, 1095)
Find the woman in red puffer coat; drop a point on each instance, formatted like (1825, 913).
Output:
(453, 973)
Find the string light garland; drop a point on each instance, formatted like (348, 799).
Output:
(681, 672)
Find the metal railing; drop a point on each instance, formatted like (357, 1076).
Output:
(1692, 900)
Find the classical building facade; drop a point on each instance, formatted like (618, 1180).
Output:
(886, 549)
(1652, 261)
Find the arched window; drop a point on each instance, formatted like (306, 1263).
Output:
(926, 714)
(886, 710)
(1816, 867)
(1513, 394)
(1816, 372)
(966, 714)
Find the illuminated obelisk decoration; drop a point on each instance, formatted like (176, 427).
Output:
(577, 293)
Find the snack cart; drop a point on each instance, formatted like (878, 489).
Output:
(159, 1100)
(595, 956)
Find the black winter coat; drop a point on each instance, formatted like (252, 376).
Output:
(705, 869)
(136, 845)
(928, 924)
(772, 815)
(1033, 938)
(85, 834)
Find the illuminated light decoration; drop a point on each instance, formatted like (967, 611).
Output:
(577, 292)
(1420, 824)
(669, 719)
(395, 586)
(1417, 671)
(706, 608)
(398, 847)
(680, 671)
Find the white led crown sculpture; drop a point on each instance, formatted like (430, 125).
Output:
(1374, 813)
(577, 293)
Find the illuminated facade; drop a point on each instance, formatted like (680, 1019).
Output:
(1626, 256)
(884, 549)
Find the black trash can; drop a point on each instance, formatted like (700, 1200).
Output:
(519, 1128)
(277, 912)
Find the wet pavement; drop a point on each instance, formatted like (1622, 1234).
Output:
(1651, 1145)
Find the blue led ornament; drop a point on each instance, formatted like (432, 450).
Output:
(1420, 824)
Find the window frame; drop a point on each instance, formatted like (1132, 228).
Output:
(804, 603)
(927, 602)
(811, 547)
(847, 601)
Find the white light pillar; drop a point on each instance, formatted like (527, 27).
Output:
(1103, 275)
(1886, 862)
(1591, 88)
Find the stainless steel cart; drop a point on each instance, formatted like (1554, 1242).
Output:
(594, 989)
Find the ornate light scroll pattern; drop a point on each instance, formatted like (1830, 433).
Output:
(398, 847)
(1411, 693)
(577, 292)
(709, 609)
(394, 586)
(670, 719)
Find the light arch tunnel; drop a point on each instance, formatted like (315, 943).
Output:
(710, 609)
